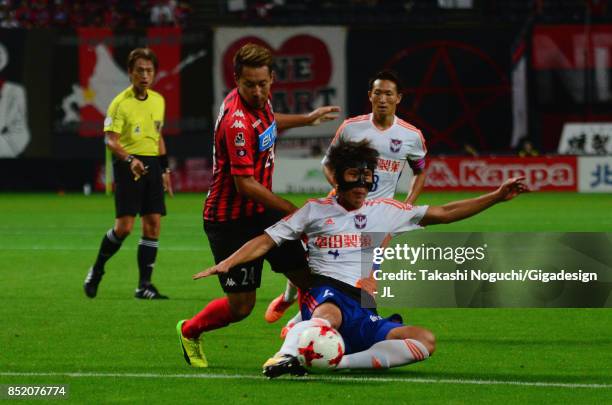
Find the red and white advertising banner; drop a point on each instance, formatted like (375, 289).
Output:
(309, 69)
(557, 173)
(101, 77)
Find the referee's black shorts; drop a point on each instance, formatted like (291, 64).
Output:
(227, 237)
(139, 196)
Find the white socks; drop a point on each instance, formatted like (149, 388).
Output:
(291, 292)
(297, 318)
(290, 346)
(386, 354)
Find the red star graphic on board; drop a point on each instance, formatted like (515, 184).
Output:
(473, 100)
(309, 353)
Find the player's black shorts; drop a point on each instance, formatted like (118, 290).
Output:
(227, 237)
(142, 196)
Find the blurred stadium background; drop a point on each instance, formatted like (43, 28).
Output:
(499, 87)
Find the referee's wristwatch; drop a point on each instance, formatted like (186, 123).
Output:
(129, 159)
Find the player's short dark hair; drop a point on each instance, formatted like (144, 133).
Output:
(254, 56)
(142, 53)
(389, 75)
(346, 154)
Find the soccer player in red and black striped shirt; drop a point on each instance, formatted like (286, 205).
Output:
(240, 203)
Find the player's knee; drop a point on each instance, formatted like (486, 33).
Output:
(123, 231)
(241, 310)
(429, 341)
(123, 226)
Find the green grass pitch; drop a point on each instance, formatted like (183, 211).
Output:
(115, 349)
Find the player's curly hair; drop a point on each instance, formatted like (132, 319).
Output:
(252, 55)
(387, 74)
(346, 154)
(142, 53)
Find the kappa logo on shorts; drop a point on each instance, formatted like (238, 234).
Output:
(239, 139)
(238, 124)
(360, 221)
(230, 282)
(395, 145)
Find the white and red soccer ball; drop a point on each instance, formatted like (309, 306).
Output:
(320, 348)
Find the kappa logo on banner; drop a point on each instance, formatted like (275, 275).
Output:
(239, 139)
(559, 173)
(238, 124)
(267, 137)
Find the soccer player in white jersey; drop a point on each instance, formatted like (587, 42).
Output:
(398, 143)
(339, 229)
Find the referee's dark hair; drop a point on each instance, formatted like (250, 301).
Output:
(141, 53)
(389, 75)
(347, 154)
(254, 56)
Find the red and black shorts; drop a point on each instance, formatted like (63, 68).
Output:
(227, 237)
(139, 196)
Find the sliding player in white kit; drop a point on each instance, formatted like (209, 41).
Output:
(340, 230)
(398, 143)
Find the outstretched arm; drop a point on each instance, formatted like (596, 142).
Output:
(251, 250)
(458, 210)
(315, 117)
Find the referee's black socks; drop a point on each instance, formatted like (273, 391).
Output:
(109, 246)
(147, 252)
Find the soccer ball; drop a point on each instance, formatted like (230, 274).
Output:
(320, 348)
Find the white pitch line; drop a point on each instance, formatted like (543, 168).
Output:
(310, 377)
(93, 248)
